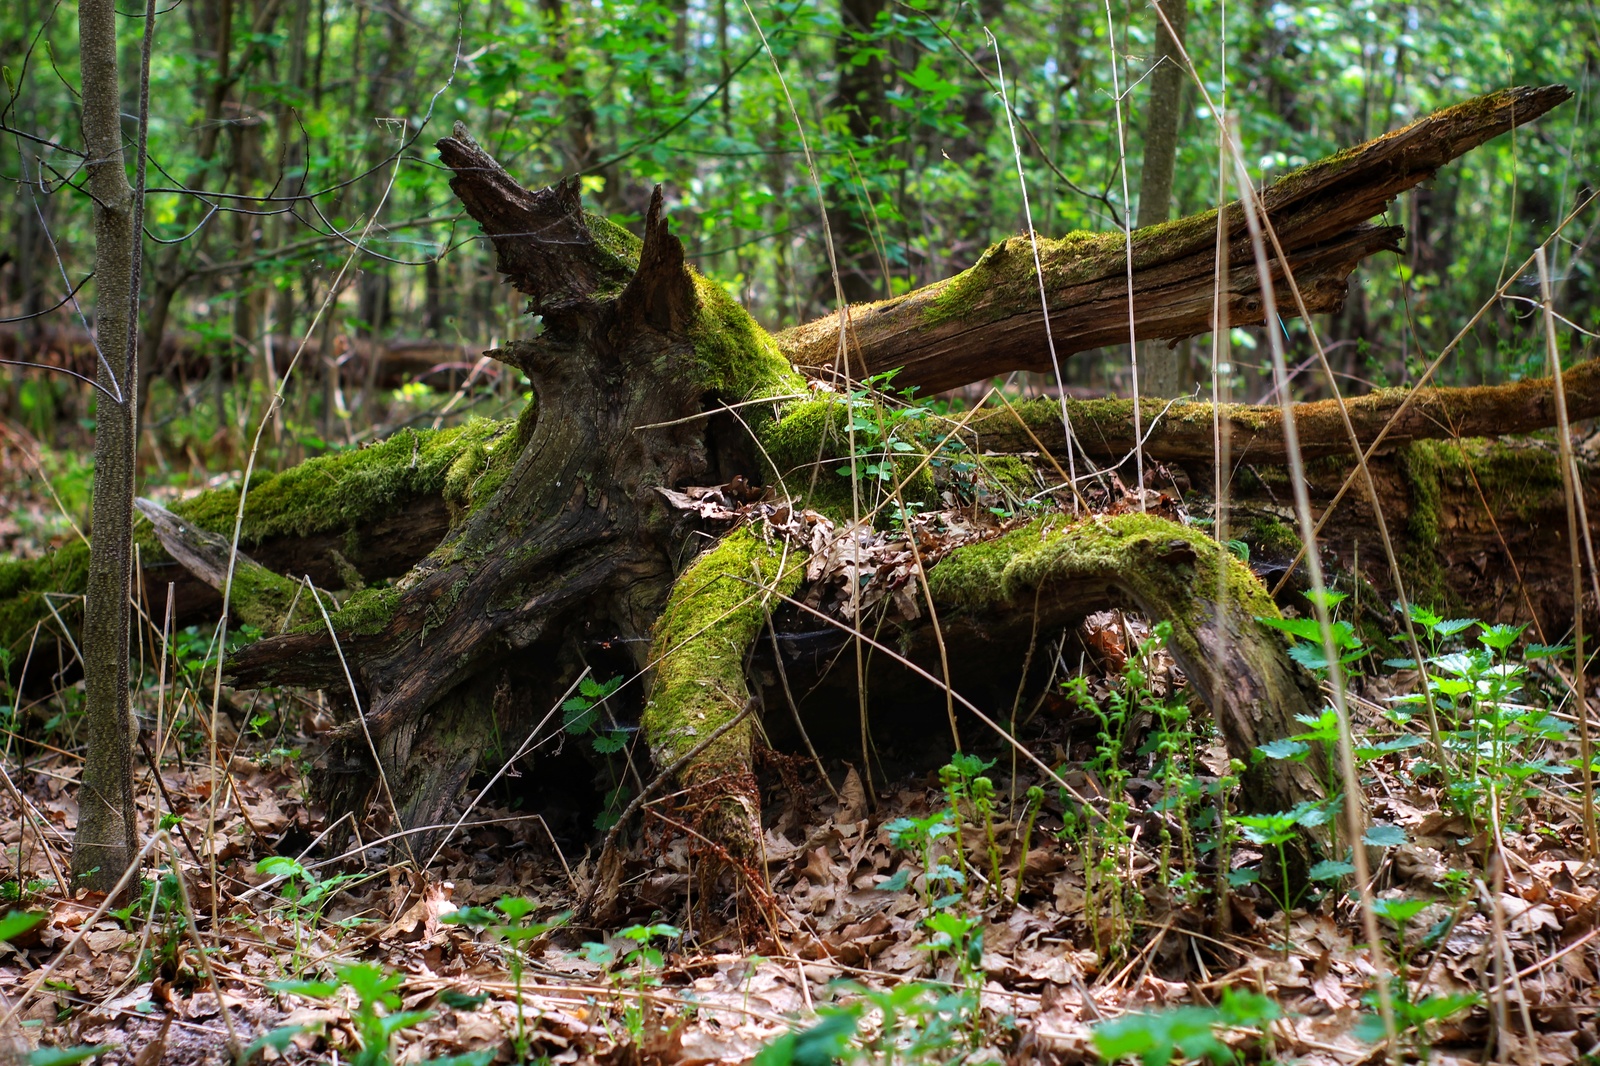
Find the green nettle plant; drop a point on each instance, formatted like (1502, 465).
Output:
(159, 909)
(920, 835)
(1496, 727)
(1114, 899)
(1276, 831)
(509, 922)
(1184, 1034)
(914, 1022)
(581, 717)
(377, 1017)
(642, 961)
(305, 895)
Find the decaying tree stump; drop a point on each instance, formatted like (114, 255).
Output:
(474, 560)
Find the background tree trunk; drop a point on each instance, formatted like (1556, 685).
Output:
(1161, 372)
(107, 834)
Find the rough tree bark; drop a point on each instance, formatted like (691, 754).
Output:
(530, 532)
(107, 835)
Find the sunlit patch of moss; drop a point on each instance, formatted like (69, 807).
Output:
(734, 356)
(366, 613)
(261, 598)
(1273, 537)
(349, 489)
(1009, 475)
(712, 615)
(1162, 563)
(616, 241)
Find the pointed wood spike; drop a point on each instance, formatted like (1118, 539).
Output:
(542, 240)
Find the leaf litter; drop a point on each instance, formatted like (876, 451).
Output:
(1516, 941)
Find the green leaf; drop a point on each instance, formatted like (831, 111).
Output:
(1384, 836)
(312, 989)
(65, 1056)
(1434, 1008)
(1399, 911)
(821, 1045)
(461, 1001)
(280, 866)
(1284, 748)
(404, 1019)
(1331, 870)
(895, 883)
(473, 916)
(15, 923)
(1502, 636)
(1302, 628)
(277, 1039)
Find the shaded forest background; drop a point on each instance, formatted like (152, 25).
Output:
(282, 129)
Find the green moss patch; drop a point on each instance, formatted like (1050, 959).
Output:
(349, 489)
(734, 356)
(712, 616)
(1160, 561)
(24, 584)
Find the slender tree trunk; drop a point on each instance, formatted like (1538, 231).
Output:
(107, 835)
(863, 101)
(1160, 365)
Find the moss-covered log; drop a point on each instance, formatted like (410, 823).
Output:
(1055, 571)
(716, 610)
(506, 539)
(1184, 430)
(986, 320)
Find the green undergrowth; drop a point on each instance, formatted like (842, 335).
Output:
(715, 611)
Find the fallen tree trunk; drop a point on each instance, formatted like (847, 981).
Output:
(559, 524)
(985, 321)
(1182, 430)
(189, 358)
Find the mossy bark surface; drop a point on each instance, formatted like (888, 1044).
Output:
(717, 609)
(1065, 570)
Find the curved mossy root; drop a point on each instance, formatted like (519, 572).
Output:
(1066, 570)
(715, 612)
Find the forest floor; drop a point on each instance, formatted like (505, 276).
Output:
(677, 983)
(974, 911)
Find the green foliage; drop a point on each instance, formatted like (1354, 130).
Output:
(15, 923)
(65, 1056)
(377, 1017)
(642, 961)
(510, 921)
(1184, 1034)
(1498, 726)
